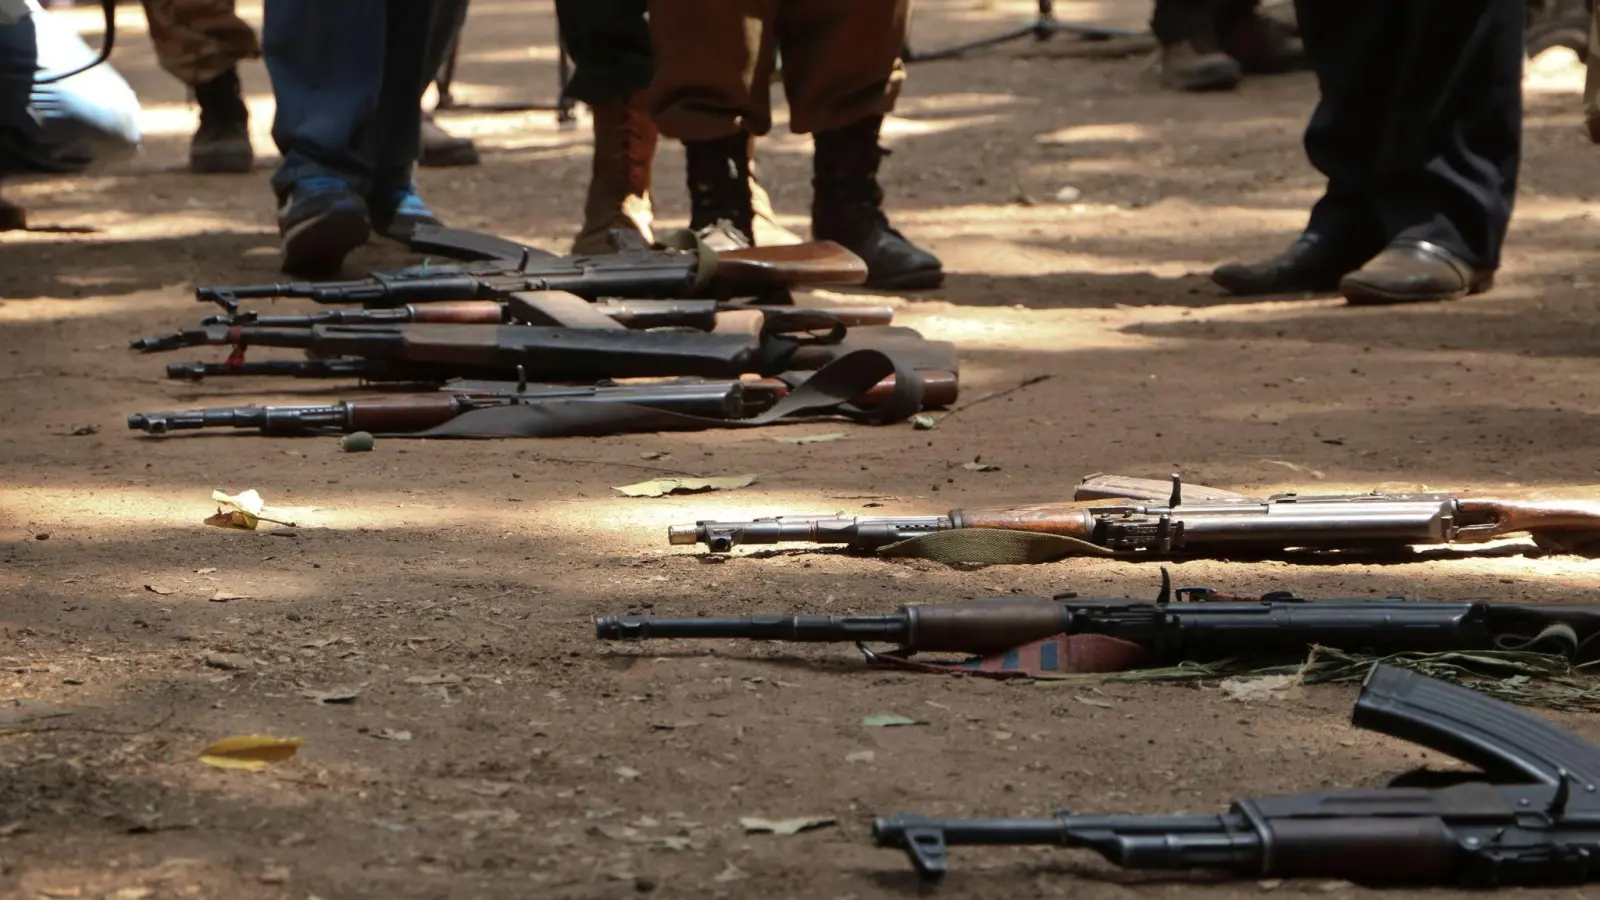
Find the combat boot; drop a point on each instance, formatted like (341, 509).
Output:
(1259, 44)
(847, 208)
(222, 143)
(721, 202)
(1193, 65)
(764, 225)
(618, 213)
(441, 149)
(12, 216)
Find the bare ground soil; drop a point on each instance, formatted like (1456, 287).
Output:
(453, 582)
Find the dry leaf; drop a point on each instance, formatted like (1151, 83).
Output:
(224, 597)
(812, 438)
(753, 825)
(1093, 701)
(341, 694)
(156, 589)
(251, 751)
(976, 466)
(888, 720)
(1267, 687)
(654, 454)
(924, 422)
(731, 873)
(389, 734)
(240, 511)
(206, 571)
(664, 486)
(628, 774)
(861, 756)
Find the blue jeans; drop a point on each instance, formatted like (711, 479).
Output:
(349, 77)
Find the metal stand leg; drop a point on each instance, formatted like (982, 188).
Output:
(1041, 28)
(563, 106)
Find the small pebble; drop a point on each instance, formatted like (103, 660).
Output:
(356, 442)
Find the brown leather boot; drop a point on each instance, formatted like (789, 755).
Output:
(1193, 66)
(721, 191)
(847, 208)
(763, 221)
(618, 211)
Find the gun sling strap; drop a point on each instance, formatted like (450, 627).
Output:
(830, 389)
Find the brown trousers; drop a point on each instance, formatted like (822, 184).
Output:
(714, 62)
(197, 40)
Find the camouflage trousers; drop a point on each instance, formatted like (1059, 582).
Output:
(197, 40)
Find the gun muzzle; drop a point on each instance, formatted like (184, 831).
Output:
(683, 535)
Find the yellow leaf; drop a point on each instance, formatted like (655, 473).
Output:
(251, 751)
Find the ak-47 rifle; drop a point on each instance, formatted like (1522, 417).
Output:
(1192, 624)
(641, 273)
(1560, 520)
(731, 400)
(1527, 817)
(702, 315)
(545, 352)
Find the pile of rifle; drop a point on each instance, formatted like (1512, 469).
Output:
(520, 343)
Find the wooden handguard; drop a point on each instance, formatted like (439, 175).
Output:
(1072, 520)
(1568, 513)
(985, 626)
(401, 415)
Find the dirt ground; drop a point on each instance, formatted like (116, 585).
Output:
(452, 583)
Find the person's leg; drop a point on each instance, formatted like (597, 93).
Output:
(1352, 47)
(200, 42)
(1191, 58)
(714, 62)
(440, 148)
(417, 37)
(612, 63)
(1446, 178)
(326, 62)
(1260, 44)
(842, 73)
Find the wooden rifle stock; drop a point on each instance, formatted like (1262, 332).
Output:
(1567, 519)
(753, 270)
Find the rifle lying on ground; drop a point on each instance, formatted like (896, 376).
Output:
(1567, 521)
(422, 413)
(1528, 817)
(701, 315)
(639, 274)
(1097, 634)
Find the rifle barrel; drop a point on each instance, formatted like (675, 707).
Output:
(815, 629)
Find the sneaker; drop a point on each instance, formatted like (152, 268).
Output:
(397, 213)
(321, 221)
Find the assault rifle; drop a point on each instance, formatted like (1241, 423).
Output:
(1526, 818)
(638, 273)
(702, 315)
(1191, 624)
(417, 413)
(1567, 521)
(545, 352)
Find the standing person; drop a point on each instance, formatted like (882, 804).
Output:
(1209, 45)
(202, 42)
(349, 77)
(612, 64)
(841, 74)
(1418, 131)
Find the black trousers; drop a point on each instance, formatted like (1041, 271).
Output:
(1419, 125)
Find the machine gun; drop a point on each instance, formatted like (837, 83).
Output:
(638, 273)
(729, 399)
(700, 315)
(1188, 624)
(1526, 818)
(1211, 528)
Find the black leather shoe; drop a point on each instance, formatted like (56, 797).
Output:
(1311, 264)
(1412, 271)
